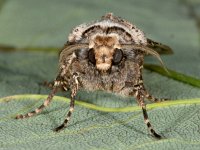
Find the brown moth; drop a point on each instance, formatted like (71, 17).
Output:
(108, 55)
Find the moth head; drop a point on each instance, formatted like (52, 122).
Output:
(105, 51)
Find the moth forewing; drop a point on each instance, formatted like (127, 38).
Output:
(159, 47)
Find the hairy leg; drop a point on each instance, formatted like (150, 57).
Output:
(48, 84)
(71, 108)
(145, 92)
(58, 83)
(154, 99)
(45, 104)
(149, 96)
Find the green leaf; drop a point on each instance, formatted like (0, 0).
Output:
(99, 108)
(92, 129)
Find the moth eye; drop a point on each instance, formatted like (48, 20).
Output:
(117, 57)
(91, 56)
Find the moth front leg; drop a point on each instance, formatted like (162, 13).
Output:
(75, 86)
(57, 84)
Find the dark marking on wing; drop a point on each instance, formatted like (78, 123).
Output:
(91, 29)
(118, 30)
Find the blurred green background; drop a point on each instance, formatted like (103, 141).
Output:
(31, 35)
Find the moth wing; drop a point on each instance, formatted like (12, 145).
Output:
(159, 47)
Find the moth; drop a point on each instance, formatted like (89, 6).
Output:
(107, 54)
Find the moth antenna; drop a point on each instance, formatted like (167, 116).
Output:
(148, 51)
(69, 49)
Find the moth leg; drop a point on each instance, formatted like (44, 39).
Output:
(147, 94)
(71, 108)
(45, 104)
(154, 99)
(140, 99)
(48, 84)
(58, 83)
